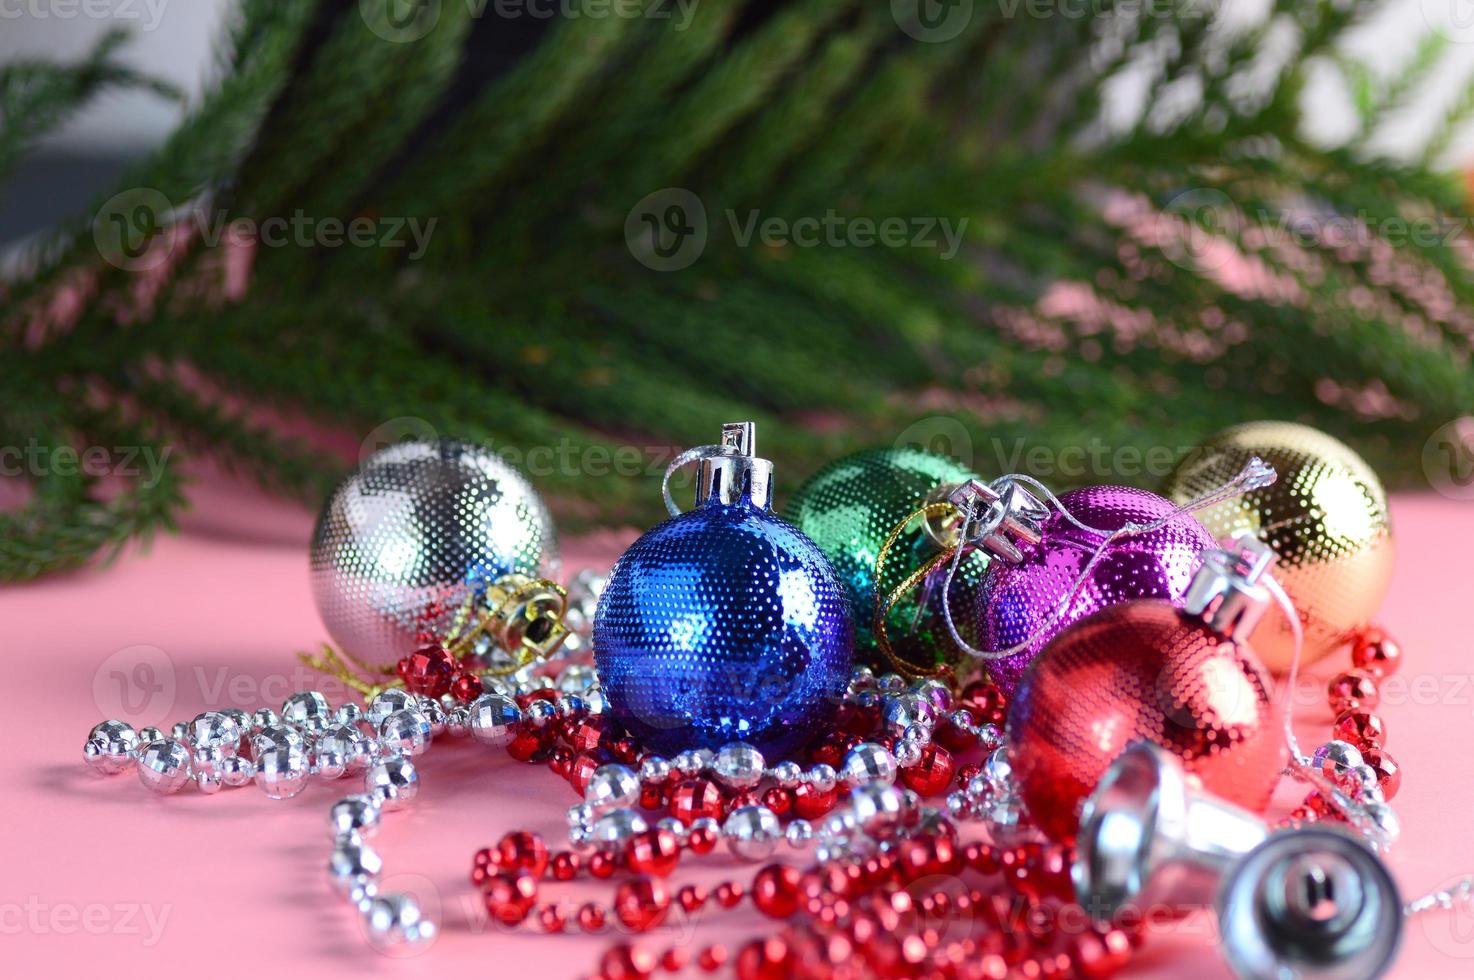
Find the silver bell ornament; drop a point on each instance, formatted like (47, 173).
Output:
(1148, 838)
(416, 529)
(1310, 904)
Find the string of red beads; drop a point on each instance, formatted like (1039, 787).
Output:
(897, 916)
(1352, 695)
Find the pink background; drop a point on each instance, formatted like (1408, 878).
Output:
(98, 872)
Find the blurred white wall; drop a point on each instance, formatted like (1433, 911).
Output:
(172, 39)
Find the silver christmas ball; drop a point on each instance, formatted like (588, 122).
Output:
(393, 921)
(214, 728)
(352, 866)
(403, 539)
(616, 827)
(654, 769)
(110, 746)
(788, 774)
(877, 807)
(306, 709)
(385, 703)
(405, 732)
(277, 737)
(612, 786)
(1336, 759)
(738, 766)
(752, 832)
(822, 777)
(237, 771)
(281, 773)
(357, 814)
(336, 749)
(164, 765)
(392, 783)
(869, 763)
(907, 710)
(494, 719)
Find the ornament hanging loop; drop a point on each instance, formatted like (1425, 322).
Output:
(727, 471)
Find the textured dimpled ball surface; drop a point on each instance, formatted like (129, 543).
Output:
(1141, 670)
(1017, 598)
(402, 540)
(849, 508)
(1325, 517)
(723, 624)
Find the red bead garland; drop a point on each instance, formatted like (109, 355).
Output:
(1351, 695)
(884, 915)
(859, 912)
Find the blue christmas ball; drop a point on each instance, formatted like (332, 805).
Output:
(725, 624)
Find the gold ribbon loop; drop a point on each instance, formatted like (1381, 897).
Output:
(883, 605)
(524, 618)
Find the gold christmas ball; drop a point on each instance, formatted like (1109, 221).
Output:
(1325, 517)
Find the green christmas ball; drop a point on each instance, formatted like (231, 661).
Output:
(849, 508)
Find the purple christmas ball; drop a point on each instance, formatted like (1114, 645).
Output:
(1015, 599)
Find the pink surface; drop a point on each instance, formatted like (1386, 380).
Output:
(99, 873)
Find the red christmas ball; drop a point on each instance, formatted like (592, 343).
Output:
(1141, 671)
(654, 852)
(641, 902)
(933, 774)
(1376, 653)
(509, 896)
(466, 688)
(523, 851)
(775, 890)
(429, 670)
(696, 798)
